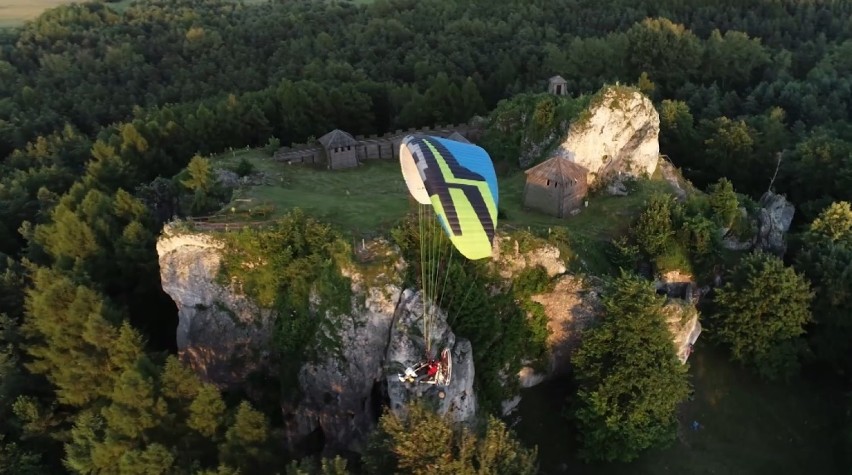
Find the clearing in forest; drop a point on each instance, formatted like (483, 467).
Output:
(372, 197)
(14, 13)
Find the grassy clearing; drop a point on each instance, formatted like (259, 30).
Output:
(370, 198)
(589, 232)
(16, 12)
(747, 426)
(360, 201)
(13, 13)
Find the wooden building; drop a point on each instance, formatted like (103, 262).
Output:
(557, 85)
(556, 186)
(340, 149)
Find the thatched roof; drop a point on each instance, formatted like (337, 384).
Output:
(458, 137)
(560, 169)
(557, 79)
(337, 138)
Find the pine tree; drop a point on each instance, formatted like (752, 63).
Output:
(206, 411)
(762, 311)
(826, 259)
(654, 229)
(630, 379)
(200, 177)
(724, 203)
(245, 441)
(70, 337)
(422, 442)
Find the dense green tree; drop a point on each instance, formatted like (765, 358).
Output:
(761, 314)
(826, 259)
(654, 229)
(733, 59)
(630, 379)
(666, 51)
(724, 203)
(678, 135)
(200, 177)
(422, 442)
(245, 445)
(16, 461)
(729, 149)
(67, 322)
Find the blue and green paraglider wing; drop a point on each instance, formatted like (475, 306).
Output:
(459, 181)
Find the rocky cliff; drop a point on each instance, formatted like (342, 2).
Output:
(770, 224)
(619, 133)
(405, 349)
(221, 334)
(226, 338)
(573, 302)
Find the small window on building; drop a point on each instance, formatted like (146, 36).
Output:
(548, 182)
(348, 147)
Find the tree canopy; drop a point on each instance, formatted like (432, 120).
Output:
(630, 379)
(762, 310)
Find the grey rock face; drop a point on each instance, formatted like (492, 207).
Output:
(221, 334)
(774, 220)
(406, 349)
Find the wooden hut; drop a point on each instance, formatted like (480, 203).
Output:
(557, 85)
(556, 186)
(340, 149)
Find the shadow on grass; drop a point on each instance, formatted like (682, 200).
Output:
(747, 426)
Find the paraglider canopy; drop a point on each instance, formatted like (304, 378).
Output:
(459, 181)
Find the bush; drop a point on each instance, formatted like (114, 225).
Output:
(244, 168)
(653, 229)
(272, 145)
(531, 281)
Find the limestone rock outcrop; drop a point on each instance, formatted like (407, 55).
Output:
(618, 134)
(338, 395)
(770, 223)
(209, 310)
(509, 260)
(406, 349)
(774, 218)
(570, 307)
(682, 320)
(224, 337)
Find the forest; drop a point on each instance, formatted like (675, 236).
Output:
(99, 110)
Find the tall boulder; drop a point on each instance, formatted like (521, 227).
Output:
(406, 349)
(618, 134)
(774, 219)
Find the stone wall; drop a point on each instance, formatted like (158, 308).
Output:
(374, 147)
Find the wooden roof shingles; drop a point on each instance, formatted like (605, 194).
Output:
(337, 138)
